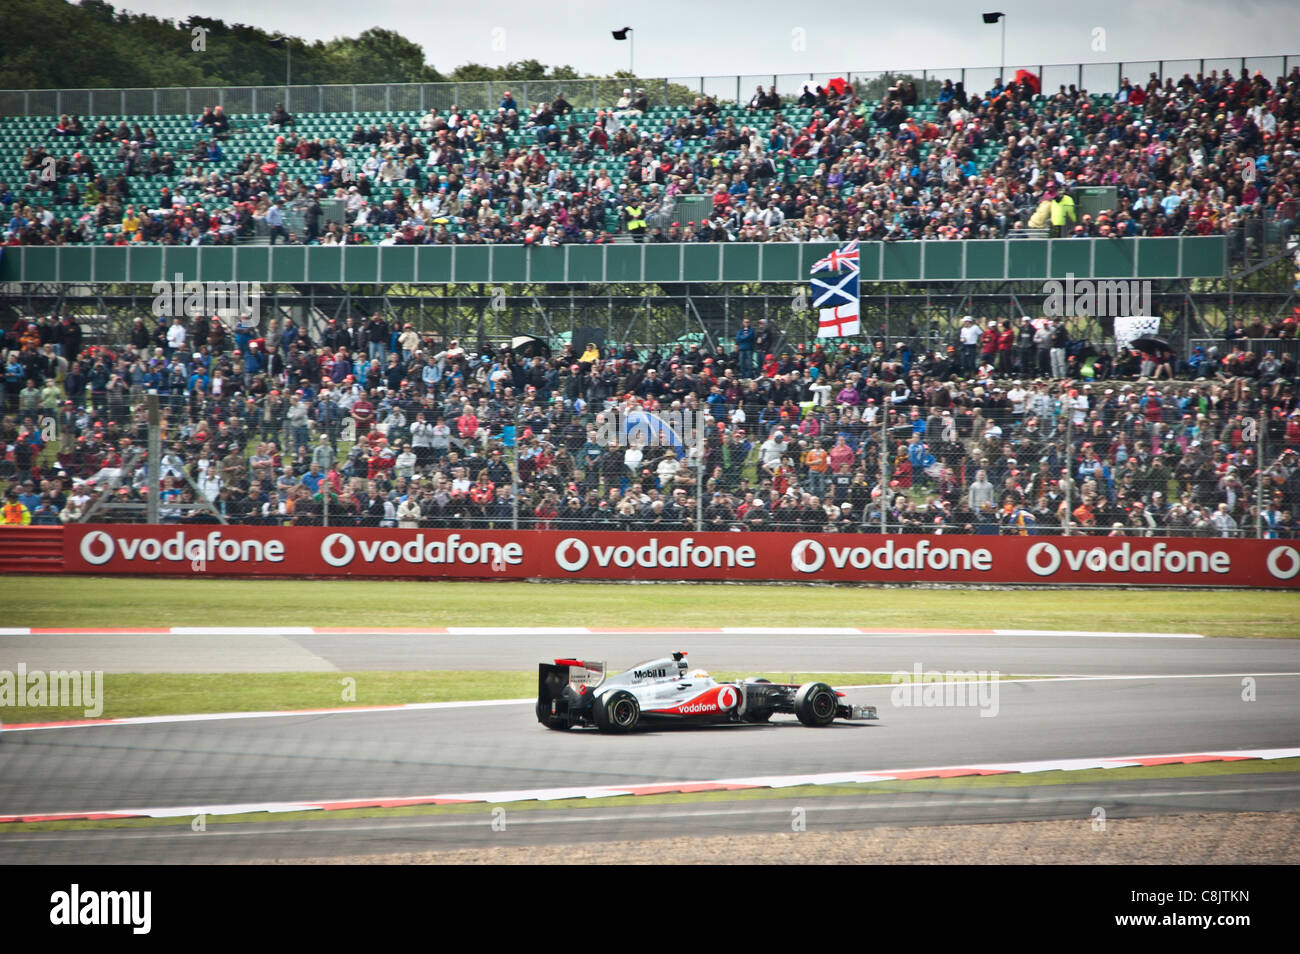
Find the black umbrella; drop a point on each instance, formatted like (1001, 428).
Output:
(530, 346)
(1150, 344)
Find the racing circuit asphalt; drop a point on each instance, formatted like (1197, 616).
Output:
(421, 752)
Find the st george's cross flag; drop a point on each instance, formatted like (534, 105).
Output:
(841, 321)
(836, 296)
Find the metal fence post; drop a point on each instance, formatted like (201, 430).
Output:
(1261, 431)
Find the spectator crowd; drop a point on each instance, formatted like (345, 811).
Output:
(364, 422)
(1196, 156)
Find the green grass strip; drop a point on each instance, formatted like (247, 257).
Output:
(90, 602)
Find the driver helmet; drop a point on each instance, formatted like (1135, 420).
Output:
(697, 674)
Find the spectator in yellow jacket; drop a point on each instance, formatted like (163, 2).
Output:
(1063, 216)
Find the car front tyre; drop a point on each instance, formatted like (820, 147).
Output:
(816, 704)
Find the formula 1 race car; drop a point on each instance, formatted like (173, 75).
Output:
(575, 692)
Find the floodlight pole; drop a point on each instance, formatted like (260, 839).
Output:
(1002, 63)
(884, 464)
(1260, 428)
(1069, 470)
(154, 459)
(514, 469)
(699, 490)
(995, 17)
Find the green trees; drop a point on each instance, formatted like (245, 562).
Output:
(52, 44)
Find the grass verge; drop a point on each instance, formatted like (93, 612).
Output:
(90, 602)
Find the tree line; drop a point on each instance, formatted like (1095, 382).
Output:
(52, 44)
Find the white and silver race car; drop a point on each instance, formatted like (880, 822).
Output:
(576, 692)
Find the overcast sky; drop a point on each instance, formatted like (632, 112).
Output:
(706, 37)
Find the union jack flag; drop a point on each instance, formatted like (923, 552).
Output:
(846, 257)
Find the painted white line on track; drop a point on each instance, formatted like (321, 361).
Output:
(282, 714)
(519, 631)
(588, 815)
(791, 631)
(1056, 679)
(653, 788)
(242, 631)
(1094, 634)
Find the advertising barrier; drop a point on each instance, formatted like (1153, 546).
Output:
(569, 555)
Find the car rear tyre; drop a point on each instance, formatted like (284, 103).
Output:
(815, 704)
(617, 712)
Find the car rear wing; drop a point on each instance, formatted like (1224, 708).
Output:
(552, 678)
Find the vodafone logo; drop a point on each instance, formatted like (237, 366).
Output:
(728, 697)
(572, 554)
(338, 549)
(1045, 559)
(140, 545)
(808, 556)
(1275, 562)
(1048, 554)
(699, 707)
(97, 548)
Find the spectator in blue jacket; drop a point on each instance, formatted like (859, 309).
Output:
(745, 339)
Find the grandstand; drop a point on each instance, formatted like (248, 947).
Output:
(307, 414)
(827, 155)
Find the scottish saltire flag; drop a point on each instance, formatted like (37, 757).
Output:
(836, 296)
(838, 260)
(841, 289)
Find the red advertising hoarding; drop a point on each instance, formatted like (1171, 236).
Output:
(568, 555)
